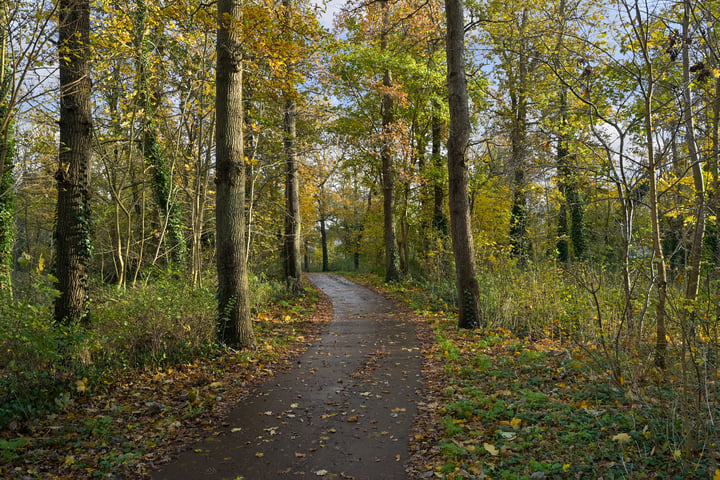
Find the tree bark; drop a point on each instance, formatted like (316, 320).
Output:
(324, 245)
(234, 327)
(153, 152)
(468, 290)
(439, 220)
(518, 134)
(7, 154)
(293, 259)
(696, 247)
(659, 257)
(72, 231)
(392, 257)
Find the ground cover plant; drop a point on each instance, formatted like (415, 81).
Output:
(148, 383)
(504, 405)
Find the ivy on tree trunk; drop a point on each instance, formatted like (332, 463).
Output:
(73, 219)
(7, 155)
(234, 327)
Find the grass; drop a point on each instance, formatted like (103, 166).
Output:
(536, 409)
(532, 402)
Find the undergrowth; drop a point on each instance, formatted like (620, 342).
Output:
(560, 382)
(162, 323)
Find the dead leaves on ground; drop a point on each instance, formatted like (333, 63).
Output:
(499, 406)
(135, 420)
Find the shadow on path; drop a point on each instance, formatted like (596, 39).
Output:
(344, 411)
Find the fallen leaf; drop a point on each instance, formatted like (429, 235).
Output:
(321, 473)
(300, 455)
(81, 385)
(491, 449)
(236, 429)
(259, 454)
(622, 438)
(352, 419)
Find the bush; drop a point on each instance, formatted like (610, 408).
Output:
(43, 365)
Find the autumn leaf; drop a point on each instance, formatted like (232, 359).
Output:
(81, 385)
(622, 438)
(491, 449)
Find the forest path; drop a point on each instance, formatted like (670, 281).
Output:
(343, 412)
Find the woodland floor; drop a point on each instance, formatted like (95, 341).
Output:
(347, 400)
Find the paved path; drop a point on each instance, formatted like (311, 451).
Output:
(343, 412)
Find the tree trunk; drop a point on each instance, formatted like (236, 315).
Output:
(568, 185)
(468, 290)
(696, 247)
(155, 159)
(72, 231)
(659, 257)
(7, 155)
(392, 257)
(323, 240)
(234, 327)
(439, 220)
(292, 260)
(715, 169)
(518, 98)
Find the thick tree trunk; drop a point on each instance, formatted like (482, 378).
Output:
(72, 231)
(468, 290)
(292, 260)
(234, 322)
(392, 257)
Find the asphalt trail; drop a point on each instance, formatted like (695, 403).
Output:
(343, 412)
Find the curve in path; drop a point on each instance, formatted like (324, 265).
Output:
(344, 411)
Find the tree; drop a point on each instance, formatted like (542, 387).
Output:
(468, 290)
(149, 99)
(292, 258)
(392, 257)
(234, 326)
(7, 154)
(73, 221)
